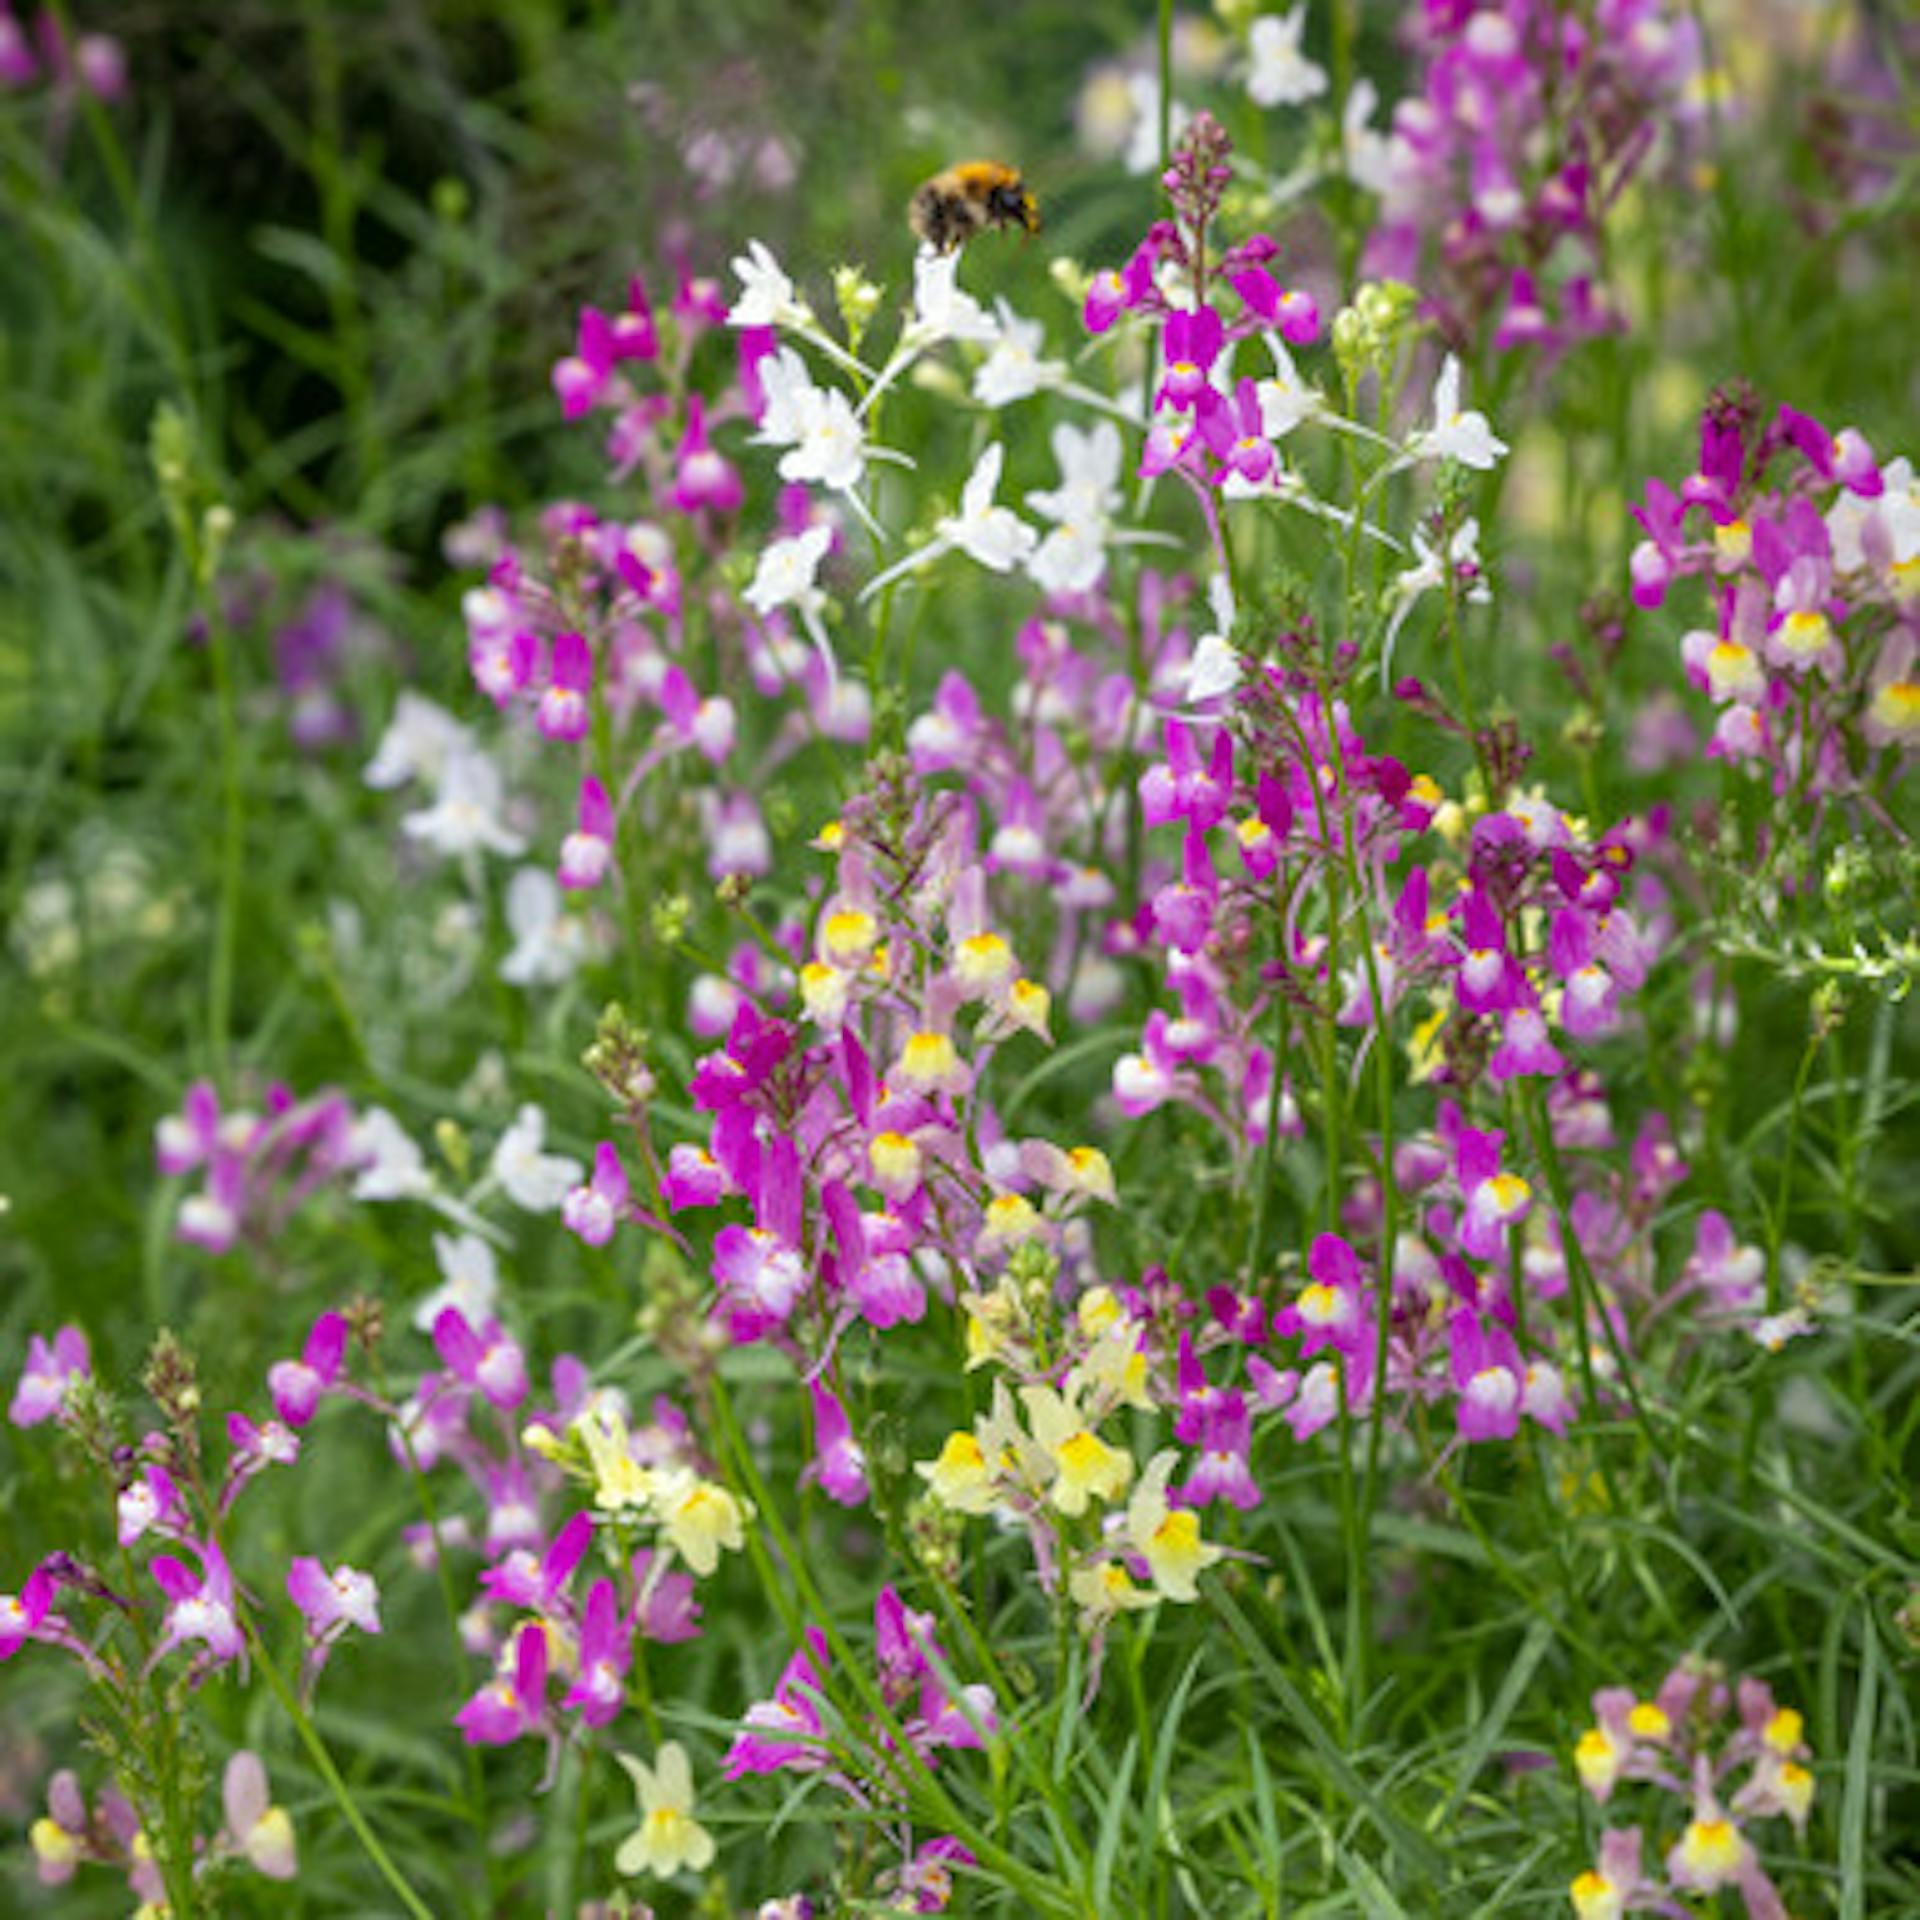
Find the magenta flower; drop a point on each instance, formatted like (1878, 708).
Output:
(514, 1701)
(565, 709)
(521, 1580)
(586, 854)
(838, 1466)
(202, 1605)
(28, 1615)
(1487, 1380)
(150, 1504)
(784, 1733)
(184, 1141)
(333, 1602)
(487, 1361)
(297, 1385)
(1494, 1200)
(605, 1655)
(703, 479)
(1191, 343)
(47, 1378)
(593, 1209)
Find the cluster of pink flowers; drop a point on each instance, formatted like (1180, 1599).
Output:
(626, 619)
(1678, 1744)
(95, 61)
(1504, 166)
(256, 1167)
(1811, 549)
(786, 1733)
(1210, 430)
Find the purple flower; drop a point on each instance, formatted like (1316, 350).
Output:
(838, 1466)
(333, 1602)
(586, 854)
(514, 1701)
(606, 1654)
(488, 1360)
(47, 1378)
(297, 1385)
(202, 1605)
(593, 1209)
(565, 710)
(785, 1731)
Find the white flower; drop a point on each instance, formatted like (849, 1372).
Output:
(1279, 73)
(1369, 153)
(469, 1280)
(767, 297)
(419, 739)
(784, 383)
(1014, 369)
(785, 575)
(549, 942)
(465, 815)
(1457, 433)
(995, 536)
(392, 1167)
(942, 309)
(1429, 571)
(1143, 148)
(830, 446)
(532, 1178)
(1216, 666)
(1286, 399)
(1897, 511)
(1073, 556)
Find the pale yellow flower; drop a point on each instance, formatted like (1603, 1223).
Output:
(668, 1836)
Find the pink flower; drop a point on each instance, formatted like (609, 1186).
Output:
(593, 1209)
(514, 1701)
(703, 479)
(565, 710)
(28, 1614)
(202, 1605)
(785, 1732)
(839, 1467)
(606, 1653)
(487, 1360)
(256, 1829)
(333, 1602)
(586, 854)
(47, 1378)
(297, 1385)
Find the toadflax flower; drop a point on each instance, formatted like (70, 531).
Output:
(1457, 433)
(48, 1377)
(668, 1836)
(993, 535)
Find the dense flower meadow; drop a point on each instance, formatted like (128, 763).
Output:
(1093, 1099)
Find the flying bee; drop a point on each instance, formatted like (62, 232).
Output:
(948, 210)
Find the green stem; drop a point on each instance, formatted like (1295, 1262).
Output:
(336, 1783)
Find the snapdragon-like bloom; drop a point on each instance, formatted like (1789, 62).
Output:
(298, 1385)
(332, 1602)
(668, 1837)
(48, 1377)
(1279, 73)
(594, 1209)
(1458, 433)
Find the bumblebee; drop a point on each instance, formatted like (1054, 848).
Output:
(948, 210)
